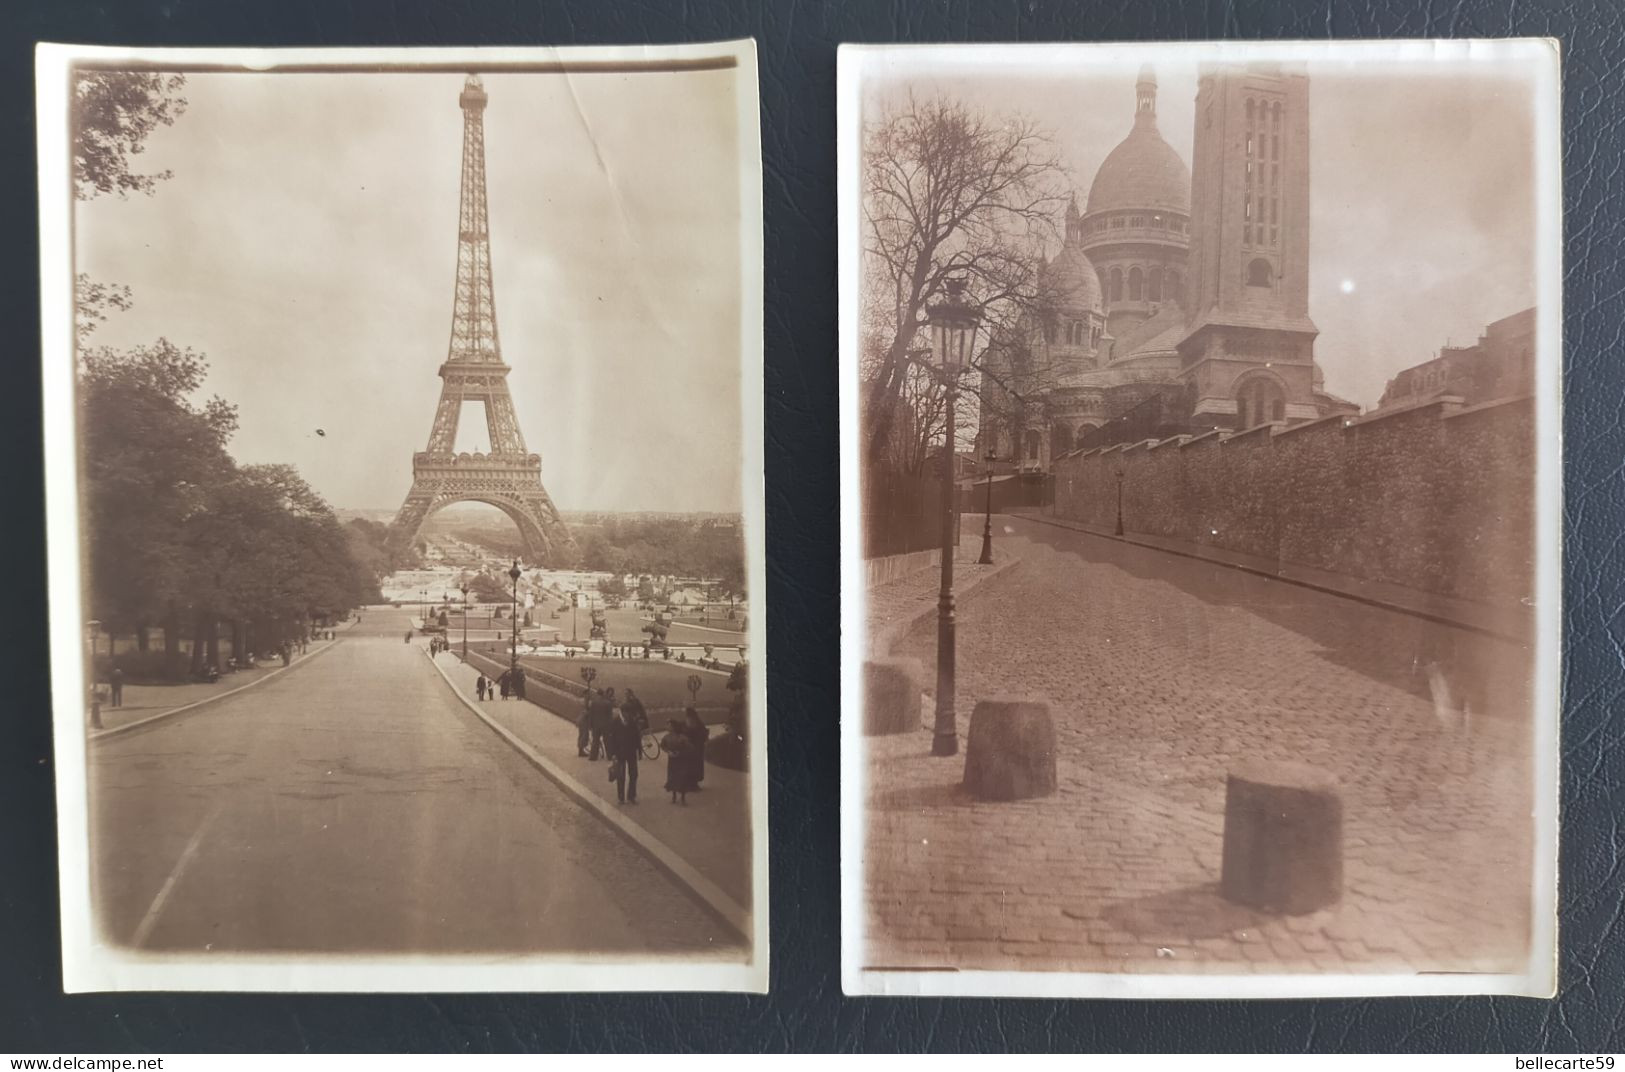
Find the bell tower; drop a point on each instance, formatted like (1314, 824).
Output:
(1249, 344)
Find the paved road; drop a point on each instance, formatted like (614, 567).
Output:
(354, 805)
(1163, 671)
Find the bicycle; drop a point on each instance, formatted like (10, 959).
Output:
(649, 746)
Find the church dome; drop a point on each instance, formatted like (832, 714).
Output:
(1072, 282)
(1143, 172)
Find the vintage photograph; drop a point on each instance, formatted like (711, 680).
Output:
(403, 416)
(1201, 518)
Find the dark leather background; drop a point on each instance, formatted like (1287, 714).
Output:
(806, 1010)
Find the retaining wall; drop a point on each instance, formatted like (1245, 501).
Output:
(1437, 497)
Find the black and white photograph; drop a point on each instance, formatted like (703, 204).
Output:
(407, 547)
(1201, 518)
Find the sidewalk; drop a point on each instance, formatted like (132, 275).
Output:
(893, 609)
(1507, 623)
(143, 702)
(712, 833)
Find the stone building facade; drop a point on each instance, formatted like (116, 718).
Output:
(1166, 313)
(1500, 365)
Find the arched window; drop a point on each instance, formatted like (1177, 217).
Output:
(1060, 440)
(1153, 285)
(1173, 287)
(1259, 401)
(1136, 284)
(1033, 441)
(1117, 285)
(1249, 111)
(1258, 273)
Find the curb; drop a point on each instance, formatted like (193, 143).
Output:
(708, 892)
(1354, 597)
(882, 641)
(173, 711)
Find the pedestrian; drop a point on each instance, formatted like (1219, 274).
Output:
(409, 636)
(518, 683)
(603, 712)
(480, 685)
(636, 713)
(677, 747)
(117, 679)
(699, 734)
(504, 682)
(624, 741)
(584, 723)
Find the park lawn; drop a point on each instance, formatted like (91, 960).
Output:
(660, 685)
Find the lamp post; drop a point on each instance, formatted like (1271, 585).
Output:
(93, 630)
(953, 329)
(987, 527)
(1119, 502)
(514, 620)
(464, 587)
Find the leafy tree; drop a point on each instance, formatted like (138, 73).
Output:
(113, 114)
(612, 587)
(149, 458)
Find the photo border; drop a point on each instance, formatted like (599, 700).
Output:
(91, 965)
(857, 62)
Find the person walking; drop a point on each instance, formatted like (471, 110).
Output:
(480, 686)
(505, 683)
(624, 740)
(677, 746)
(584, 723)
(636, 713)
(699, 734)
(603, 709)
(116, 678)
(518, 682)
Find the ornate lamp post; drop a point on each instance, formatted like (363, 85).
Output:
(1119, 502)
(987, 527)
(513, 575)
(953, 330)
(464, 587)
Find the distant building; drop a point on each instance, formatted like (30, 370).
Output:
(1500, 365)
(1175, 305)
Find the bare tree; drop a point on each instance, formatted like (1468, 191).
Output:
(948, 192)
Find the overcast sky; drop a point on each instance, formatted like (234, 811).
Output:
(307, 246)
(1422, 202)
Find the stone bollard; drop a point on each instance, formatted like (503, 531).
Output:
(1283, 838)
(1010, 750)
(891, 696)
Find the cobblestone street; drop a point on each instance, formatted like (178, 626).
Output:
(1162, 672)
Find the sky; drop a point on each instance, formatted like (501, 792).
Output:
(307, 246)
(1422, 196)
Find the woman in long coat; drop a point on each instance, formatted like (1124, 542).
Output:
(678, 747)
(699, 734)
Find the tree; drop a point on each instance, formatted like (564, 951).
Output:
(113, 114)
(150, 457)
(612, 587)
(948, 192)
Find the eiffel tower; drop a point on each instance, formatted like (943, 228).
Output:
(509, 477)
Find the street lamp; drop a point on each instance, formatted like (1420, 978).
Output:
(514, 620)
(1119, 502)
(953, 330)
(464, 587)
(93, 630)
(987, 528)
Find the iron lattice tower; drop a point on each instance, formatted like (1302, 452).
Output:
(509, 477)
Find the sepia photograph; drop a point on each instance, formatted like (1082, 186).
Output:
(405, 508)
(1201, 518)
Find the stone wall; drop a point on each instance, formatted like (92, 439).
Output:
(1438, 497)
